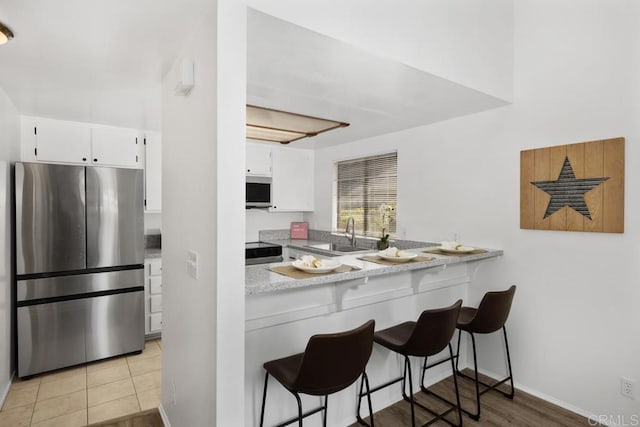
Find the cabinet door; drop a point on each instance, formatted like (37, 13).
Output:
(292, 182)
(155, 322)
(155, 304)
(115, 147)
(258, 161)
(153, 172)
(59, 141)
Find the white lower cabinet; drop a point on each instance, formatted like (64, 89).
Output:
(153, 295)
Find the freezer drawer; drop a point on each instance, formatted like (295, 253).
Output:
(50, 218)
(115, 325)
(61, 286)
(115, 217)
(66, 333)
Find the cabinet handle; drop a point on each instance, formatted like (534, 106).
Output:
(95, 160)
(248, 170)
(84, 159)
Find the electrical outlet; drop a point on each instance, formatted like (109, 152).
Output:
(627, 387)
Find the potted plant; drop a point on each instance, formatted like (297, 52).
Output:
(386, 214)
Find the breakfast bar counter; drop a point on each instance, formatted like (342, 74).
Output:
(282, 312)
(259, 278)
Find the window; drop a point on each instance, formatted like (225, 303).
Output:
(366, 189)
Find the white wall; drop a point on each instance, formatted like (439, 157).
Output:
(189, 222)
(575, 322)
(9, 153)
(203, 178)
(152, 223)
(465, 41)
(259, 219)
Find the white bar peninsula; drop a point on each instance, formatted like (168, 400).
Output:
(282, 313)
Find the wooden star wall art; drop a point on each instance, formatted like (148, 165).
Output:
(574, 187)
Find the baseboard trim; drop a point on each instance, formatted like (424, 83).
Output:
(5, 392)
(164, 417)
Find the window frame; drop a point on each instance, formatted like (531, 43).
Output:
(370, 233)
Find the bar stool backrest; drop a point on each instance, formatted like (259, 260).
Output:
(332, 362)
(433, 331)
(493, 311)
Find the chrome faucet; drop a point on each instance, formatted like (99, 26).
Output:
(351, 220)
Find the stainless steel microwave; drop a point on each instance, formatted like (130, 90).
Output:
(258, 192)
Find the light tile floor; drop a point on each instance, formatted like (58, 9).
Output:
(88, 394)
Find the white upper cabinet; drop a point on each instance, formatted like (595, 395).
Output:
(258, 160)
(115, 147)
(153, 172)
(292, 182)
(58, 141)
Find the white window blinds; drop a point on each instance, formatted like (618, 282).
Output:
(367, 190)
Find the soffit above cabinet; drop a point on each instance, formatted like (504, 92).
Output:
(291, 68)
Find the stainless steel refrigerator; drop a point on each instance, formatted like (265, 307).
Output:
(79, 264)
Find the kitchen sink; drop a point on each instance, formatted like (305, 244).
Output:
(334, 247)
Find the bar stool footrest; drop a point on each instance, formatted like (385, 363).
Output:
(489, 387)
(452, 406)
(305, 415)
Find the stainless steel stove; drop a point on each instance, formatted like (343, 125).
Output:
(262, 253)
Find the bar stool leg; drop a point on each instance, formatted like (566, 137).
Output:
(458, 351)
(506, 344)
(299, 409)
(455, 384)
(475, 416)
(264, 398)
(409, 397)
(364, 382)
(324, 413)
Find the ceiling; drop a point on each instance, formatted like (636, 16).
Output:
(97, 61)
(102, 61)
(294, 69)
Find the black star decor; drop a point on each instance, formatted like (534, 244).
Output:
(567, 190)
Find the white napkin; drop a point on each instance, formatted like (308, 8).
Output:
(311, 261)
(394, 252)
(453, 246)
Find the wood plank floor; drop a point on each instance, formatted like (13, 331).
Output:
(524, 410)
(496, 410)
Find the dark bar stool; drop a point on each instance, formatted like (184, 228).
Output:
(330, 363)
(490, 316)
(428, 336)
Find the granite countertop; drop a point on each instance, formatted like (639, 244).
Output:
(259, 279)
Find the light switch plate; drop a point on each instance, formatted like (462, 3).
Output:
(192, 263)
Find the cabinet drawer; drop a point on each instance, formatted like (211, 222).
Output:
(155, 322)
(156, 304)
(155, 285)
(155, 267)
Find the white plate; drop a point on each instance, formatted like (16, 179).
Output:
(403, 258)
(460, 250)
(327, 266)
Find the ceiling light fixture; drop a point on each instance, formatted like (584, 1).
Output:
(5, 34)
(266, 124)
